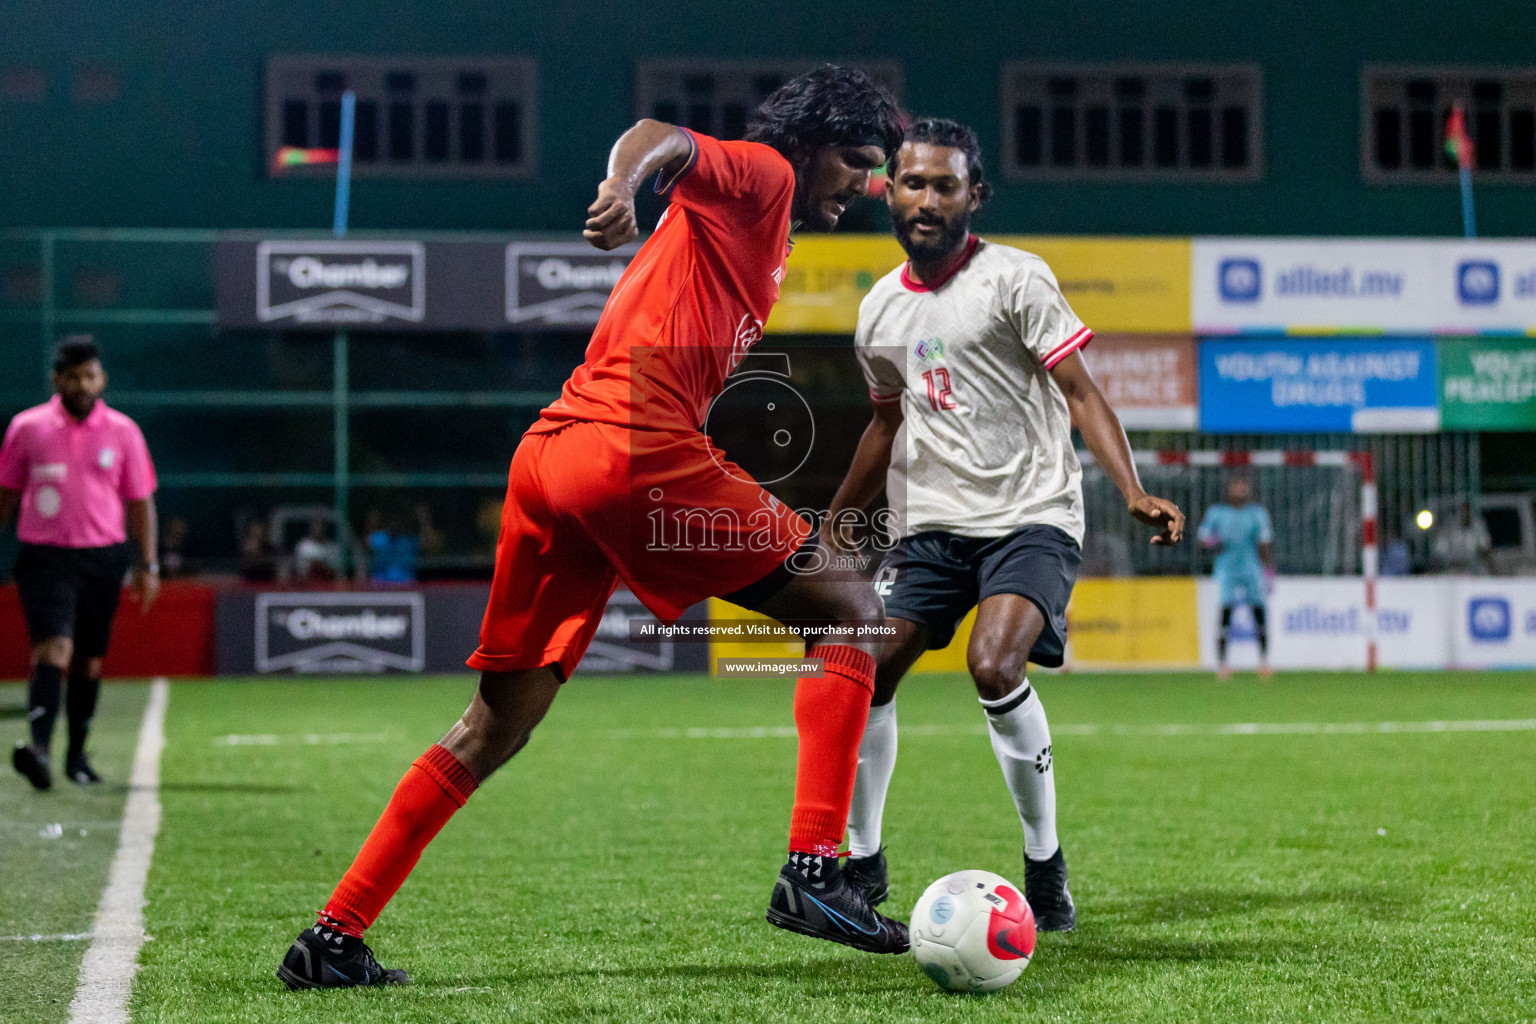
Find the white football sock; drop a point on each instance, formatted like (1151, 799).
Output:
(1021, 739)
(877, 760)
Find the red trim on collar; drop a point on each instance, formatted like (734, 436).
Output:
(912, 284)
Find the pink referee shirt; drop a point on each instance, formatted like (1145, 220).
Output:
(74, 476)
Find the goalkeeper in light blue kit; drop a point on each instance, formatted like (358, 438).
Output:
(1238, 529)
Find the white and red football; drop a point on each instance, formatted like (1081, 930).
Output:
(972, 932)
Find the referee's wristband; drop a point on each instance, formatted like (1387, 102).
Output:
(153, 568)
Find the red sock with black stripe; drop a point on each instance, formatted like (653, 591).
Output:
(830, 713)
(434, 787)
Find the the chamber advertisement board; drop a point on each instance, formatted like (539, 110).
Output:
(1285, 386)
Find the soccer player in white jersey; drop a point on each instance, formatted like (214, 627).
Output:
(971, 355)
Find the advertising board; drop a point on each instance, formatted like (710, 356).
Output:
(1284, 386)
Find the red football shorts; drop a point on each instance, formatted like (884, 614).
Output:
(592, 504)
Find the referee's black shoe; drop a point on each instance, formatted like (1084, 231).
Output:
(33, 765)
(1045, 890)
(79, 771)
(323, 958)
(870, 876)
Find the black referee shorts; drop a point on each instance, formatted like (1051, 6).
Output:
(71, 592)
(935, 578)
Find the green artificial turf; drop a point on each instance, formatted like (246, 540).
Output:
(50, 885)
(618, 869)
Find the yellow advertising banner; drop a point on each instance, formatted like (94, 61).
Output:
(721, 610)
(1139, 622)
(1114, 284)
(1129, 623)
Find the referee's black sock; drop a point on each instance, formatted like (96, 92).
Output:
(80, 707)
(43, 702)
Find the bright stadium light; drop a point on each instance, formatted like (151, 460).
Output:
(1425, 519)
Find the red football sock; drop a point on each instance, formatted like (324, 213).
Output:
(435, 786)
(829, 714)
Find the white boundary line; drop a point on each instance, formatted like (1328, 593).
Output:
(106, 973)
(787, 732)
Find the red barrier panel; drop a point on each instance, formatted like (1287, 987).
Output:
(174, 639)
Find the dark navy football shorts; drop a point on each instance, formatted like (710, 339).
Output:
(935, 578)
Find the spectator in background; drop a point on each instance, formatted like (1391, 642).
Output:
(317, 556)
(258, 556)
(1463, 545)
(1394, 557)
(173, 548)
(429, 539)
(488, 525)
(392, 554)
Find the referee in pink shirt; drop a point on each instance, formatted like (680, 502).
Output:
(79, 471)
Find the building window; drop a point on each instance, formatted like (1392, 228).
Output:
(718, 97)
(1177, 122)
(417, 117)
(1404, 111)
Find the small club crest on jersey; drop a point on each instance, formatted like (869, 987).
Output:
(929, 350)
(105, 458)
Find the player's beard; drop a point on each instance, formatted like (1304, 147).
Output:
(79, 405)
(921, 251)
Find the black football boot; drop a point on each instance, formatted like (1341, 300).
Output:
(32, 763)
(324, 958)
(79, 771)
(814, 897)
(1045, 890)
(870, 876)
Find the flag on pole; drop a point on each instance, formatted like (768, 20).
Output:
(1458, 144)
(299, 156)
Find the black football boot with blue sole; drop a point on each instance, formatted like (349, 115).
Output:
(322, 957)
(813, 897)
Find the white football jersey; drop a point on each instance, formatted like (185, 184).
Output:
(986, 446)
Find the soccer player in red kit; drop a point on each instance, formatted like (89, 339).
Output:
(616, 481)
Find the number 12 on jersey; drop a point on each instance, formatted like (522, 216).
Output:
(939, 388)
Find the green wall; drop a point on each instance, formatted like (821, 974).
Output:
(181, 146)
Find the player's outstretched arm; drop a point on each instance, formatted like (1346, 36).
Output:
(640, 152)
(866, 474)
(1106, 439)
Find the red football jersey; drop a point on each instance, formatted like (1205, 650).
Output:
(693, 300)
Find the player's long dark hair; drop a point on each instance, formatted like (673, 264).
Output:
(938, 131)
(830, 106)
